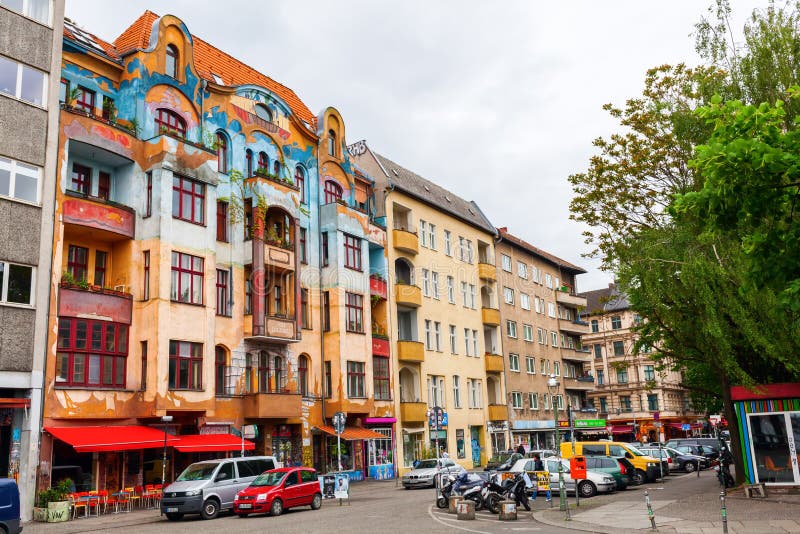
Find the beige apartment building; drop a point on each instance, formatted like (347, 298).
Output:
(541, 336)
(443, 317)
(639, 401)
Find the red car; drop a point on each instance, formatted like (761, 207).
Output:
(278, 489)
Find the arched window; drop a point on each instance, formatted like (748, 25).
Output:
(263, 162)
(276, 168)
(172, 61)
(167, 121)
(220, 365)
(248, 159)
(331, 142)
(300, 181)
(263, 112)
(333, 192)
(222, 153)
(302, 375)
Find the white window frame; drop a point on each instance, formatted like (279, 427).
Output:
(527, 332)
(472, 293)
(508, 295)
(448, 243)
(541, 336)
(551, 310)
(4, 288)
(437, 335)
(557, 368)
(533, 400)
(548, 281)
(435, 284)
(453, 339)
(516, 400)
(554, 338)
(431, 236)
(16, 168)
(426, 284)
(505, 263)
(26, 7)
(464, 294)
(522, 269)
(423, 233)
(456, 391)
(451, 290)
(474, 342)
(537, 304)
(530, 365)
(513, 362)
(525, 301)
(475, 393)
(428, 334)
(467, 350)
(17, 95)
(511, 329)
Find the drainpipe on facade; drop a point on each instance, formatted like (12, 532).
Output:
(203, 85)
(497, 240)
(321, 303)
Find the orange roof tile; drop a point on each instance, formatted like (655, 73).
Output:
(137, 35)
(70, 30)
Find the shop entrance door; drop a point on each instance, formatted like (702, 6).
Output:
(475, 440)
(775, 438)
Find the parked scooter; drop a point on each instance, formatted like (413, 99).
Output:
(511, 489)
(723, 469)
(469, 487)
(445, 490)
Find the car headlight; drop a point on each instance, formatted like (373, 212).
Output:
(261, 497)
(608, 479)
(651, 464)
(192, 493)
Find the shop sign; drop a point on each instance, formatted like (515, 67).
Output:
(590, 423)
(497, 426)
(442, 418)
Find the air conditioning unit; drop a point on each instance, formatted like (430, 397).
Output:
(121, 288)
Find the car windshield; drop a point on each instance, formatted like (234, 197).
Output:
(426, 464)
(197, 472)
(635, 451)
(270, 478)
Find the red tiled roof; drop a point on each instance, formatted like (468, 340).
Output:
(207, 60)
(514, 240)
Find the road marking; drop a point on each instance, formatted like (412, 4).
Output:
(433, 516)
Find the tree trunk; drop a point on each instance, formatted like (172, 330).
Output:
(733, 427)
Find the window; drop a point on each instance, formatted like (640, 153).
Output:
(263, 162)
(432, 236)
(652, 402)
(545, 401)
(516, 400)
(303, 246)
(220, 365)
(448, 243)
(352, 252)
(328, 380)
(533, 400)
(603, 404)
(222, 153)
(616, 322)
(302, 375)
(324, 249)
(453, 340)
(333, 192)
(557, 368)
(305, 309)
(595, 325)
(223, 305)
(78, 263)
(527, 332)
(464, 294)
(171, 69)
(559, 401)
(506, 262)
(262, 112)
(300, 182)
(598, 352)
(622, 375)
(437, 335)
(456, 391)
(100, 261)
(276, 167)
(380, 377)
(511, 328)
(619, 348)
(19, 180)
(475, 395)
(326, 311)
(525, 301)
(423, 233)
(625, 403)
(541, 336)
(554, 339)
(513, 362)
(355, 380)
(474, 342)
(436, 391)
(551, 309)
(530, 365)
(91, 353)
(435, 284)
(222, 221)
(426, 285)
(538, 304)
(522, 270)
(146, 282)
(16, 284)
(188, 200)
(467, 345)
(248, 163)
(23, 82)
(103, 185)
(508, 295)
(355, 313)
(472, 296)
(167, 121)
(187, 278)
(451, 290)
(600, 377)
(548, 281)
(331, 143)
(36, 9)
(81, 179)
(185, 365)
(143, 370)
(544, 367)
(649, 373)
(428, 334)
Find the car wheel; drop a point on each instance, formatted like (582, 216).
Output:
(639, 477)
(689, 467)
(210, 509)
(406, 487)
(587, 489)
(276, 508)
(316, 502)
(172, 516)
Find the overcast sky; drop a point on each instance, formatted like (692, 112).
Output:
(497, 101)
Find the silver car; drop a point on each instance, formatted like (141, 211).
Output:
(424, 474)
(596, 482)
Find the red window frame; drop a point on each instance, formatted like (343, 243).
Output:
(148, 208)
(300, 182)
(302, 375)
(333, 192)
(100, 264)
(84, 341)
(355, 380)
(263, 162)
(171, 68)
(103, 185)
(248, 158)
(174, 123)
(78, 262)
(106, 111)
(187, 191)
(354, 307)
(85, 100)
(222, 221)
(220, 365)
(223, 307)
(187, 270)
(380, 377)
(185, 356)
(222, 153)
(303, 246)
(352, 252)
(81, 179)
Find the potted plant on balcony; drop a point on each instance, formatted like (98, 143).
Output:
(53, 504)
(67, 280)
(110, 110)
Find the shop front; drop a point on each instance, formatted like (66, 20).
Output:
(352, 449)
(769, 423)
(532, 434)
(413, 445)
(12, 418)
(498, 431)
(380, 452)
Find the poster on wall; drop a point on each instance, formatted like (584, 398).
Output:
(328, 483)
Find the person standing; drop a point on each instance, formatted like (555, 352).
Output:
(521, 449)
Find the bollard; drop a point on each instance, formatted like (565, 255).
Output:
(723, 512)
(650, 510)
(453, 503)
(698, 468)
(466, 510)
(508, 511)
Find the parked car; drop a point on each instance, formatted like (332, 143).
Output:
(502, 461)
(206, 488)
(424, 475)
(712, 443)
(594, 483)
(706, 451)
(278, 490)
(646, 467)
(9, 507)
(689, 462)
(609, 466)
(543, 453)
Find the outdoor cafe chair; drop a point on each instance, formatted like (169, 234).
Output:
(75, 504)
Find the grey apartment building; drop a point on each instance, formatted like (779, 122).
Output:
(30, 63)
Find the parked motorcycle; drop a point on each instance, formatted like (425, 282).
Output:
(469, 487)
(723, 469)
(511, 489)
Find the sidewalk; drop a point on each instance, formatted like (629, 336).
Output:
(682, 505)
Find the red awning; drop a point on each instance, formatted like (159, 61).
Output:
(15, 402)
(111, 438)
(622, 429)
(212, 443)
(352, 433)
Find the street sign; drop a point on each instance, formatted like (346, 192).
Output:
(609, 428)
(339, 419)
(686, 427)
(563, 423)
(656, 416)
(657, 424)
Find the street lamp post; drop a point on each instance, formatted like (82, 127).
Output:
(164, 420)
(552, 386)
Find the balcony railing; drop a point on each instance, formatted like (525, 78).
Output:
(76, 301)
(413, 412)
(115, 221)
(405, 241)
(261, 405)
(377, 287)
(491, 316)
(410, 351)
(408, 295)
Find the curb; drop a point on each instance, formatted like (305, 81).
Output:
(557, 521)
(86, 525)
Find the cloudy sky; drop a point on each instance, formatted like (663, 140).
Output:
(497, 101)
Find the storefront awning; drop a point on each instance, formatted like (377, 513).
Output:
(352, 433)
(211, 443)
(15, 402)
(111, 438)
(622, 429)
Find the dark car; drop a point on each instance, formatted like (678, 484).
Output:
(502, 461)
(706, 451)
(9, 507)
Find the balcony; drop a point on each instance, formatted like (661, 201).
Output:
(405, 241)
(380, 346)
(111, 305)
(487, 271)
(276, 329)
(278, 257)
(577, 328)
(272, 405)
(410, 351)
(407, 295)
(498, 412)
(494, 363)
(491, 316)
(570, 299)
(577, 355)
(377, 287)
(413, 412)
(106, 220)
(582, 383)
